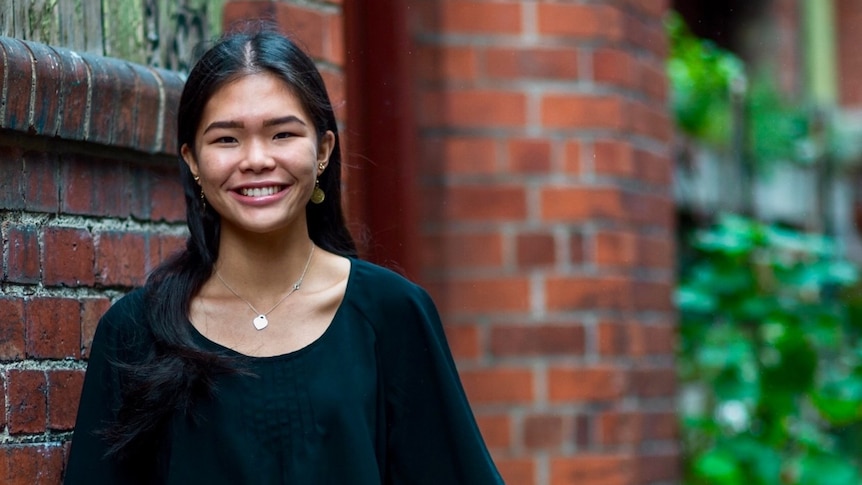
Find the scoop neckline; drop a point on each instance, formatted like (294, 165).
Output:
(213, 345)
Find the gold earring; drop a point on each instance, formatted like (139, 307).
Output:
(317, 195)
(197, 179)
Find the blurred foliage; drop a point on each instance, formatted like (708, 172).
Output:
(716, 102)
(770, 358)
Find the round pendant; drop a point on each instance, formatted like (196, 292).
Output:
(260, 322)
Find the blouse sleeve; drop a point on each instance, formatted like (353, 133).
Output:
(99, 402)
(432, 434)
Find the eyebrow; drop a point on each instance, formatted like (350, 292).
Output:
(238, 124)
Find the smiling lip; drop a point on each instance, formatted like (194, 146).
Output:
(260, 191)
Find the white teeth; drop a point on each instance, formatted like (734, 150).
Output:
(259, 191)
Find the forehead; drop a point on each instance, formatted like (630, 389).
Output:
(251, 97)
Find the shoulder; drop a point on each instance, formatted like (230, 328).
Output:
(123, 326)
(380, 285)
(389, 302)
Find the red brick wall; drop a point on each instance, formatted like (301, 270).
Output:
(89, 203)
(848, 15)
(547, 223)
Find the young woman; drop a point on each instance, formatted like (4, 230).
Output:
(266, 352)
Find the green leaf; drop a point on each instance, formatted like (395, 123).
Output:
(718, 467)
(821, 469)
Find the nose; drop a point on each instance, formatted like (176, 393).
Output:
(256, 157)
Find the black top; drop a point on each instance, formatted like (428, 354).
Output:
(375, 400)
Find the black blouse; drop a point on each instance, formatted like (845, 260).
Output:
(375, 400)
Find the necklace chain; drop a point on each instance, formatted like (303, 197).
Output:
(260, 321)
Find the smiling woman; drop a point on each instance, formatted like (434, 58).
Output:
(267, 352)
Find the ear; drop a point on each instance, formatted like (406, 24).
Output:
(190, 159)
(324, 150)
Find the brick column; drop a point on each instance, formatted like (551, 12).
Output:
(89, 202)
(547, 222)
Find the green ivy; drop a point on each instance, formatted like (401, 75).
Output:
(770, 358)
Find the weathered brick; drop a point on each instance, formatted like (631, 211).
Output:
(11, 169)
(520, 471)
(23, 252)
(635, 338)
(94, 187)
(172, 85)
(473, 249)
(48, 78)
(616, 428)
(578, 111)
(539, 340)
(588, 292)
(31, 464)
(158, 195)
(19, 92)
(498, 385)
(64, 393)
(661, 426)
(535, 249)
(2, 401)
(654, 381)
(476, 17)
(27, 391)
(544, 431)
(53, 327)
(73, 94)
(92, 310)
(529, 155)
(653, 295)
(41, 184)
(460, 155)
(472, 108)
(446, 63)
(120, 258)
(649, 120)
(145, 113)
(484, 295)
(532, 63)
(615, 158)
(124, 130)
(12, 343)
(617, 67)
(604, 469)
(593, 21)
(655, 467)
(106, 99)
(496, 429)
(463, 341)
(486, 202)
(68, 257)
(602, 383)
(572, 161)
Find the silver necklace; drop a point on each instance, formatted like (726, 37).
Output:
(260, 321)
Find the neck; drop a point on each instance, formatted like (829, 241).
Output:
(265, 264)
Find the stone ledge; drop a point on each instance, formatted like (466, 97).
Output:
(55, 92)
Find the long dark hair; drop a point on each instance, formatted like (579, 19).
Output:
(175, 370)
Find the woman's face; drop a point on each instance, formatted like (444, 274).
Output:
(257, 155)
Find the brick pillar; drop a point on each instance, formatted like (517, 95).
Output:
(848, 14)
(547, 221)
(89, 203)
